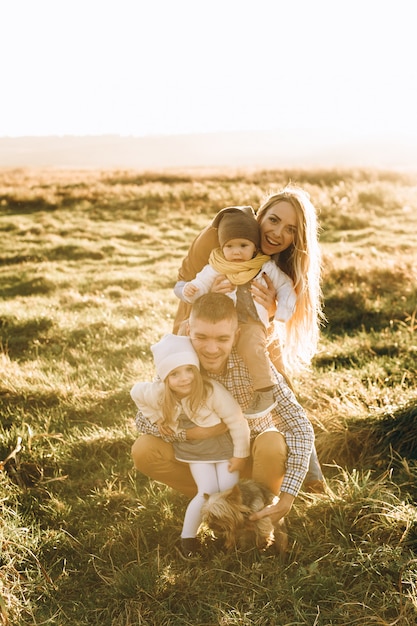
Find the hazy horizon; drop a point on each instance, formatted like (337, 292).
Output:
(230, 149)
(340, 70)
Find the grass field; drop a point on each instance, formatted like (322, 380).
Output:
(87, 265)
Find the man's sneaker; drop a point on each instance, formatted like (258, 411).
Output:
(262, 403)
(189, 548)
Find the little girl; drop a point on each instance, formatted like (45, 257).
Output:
(182, 398)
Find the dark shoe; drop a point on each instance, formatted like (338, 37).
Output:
(262, 403)
(189, 548)
(215, 545)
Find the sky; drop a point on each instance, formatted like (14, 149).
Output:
(155, 67)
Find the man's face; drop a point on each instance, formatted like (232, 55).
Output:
(213, 342)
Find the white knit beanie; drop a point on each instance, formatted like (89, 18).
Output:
(171, 352)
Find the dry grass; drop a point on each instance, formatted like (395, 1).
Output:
(87, 267)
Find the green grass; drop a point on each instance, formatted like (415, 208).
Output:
(87, 266)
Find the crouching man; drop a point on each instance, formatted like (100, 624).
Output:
(281, 441)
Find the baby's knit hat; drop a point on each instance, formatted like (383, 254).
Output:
(239, 225)
(173, 351)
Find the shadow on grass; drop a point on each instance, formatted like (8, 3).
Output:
(40, 337)
(353, 359)
(97, 450)
(63, 413)
(74, 253)
(18, 336)
(350, 312)
(372, 301)
(372, 442)
(27, 287)
(59, 253)
(11, 206)
(105, 412)
(18, 259)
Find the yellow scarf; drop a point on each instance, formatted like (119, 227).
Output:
(240, 272)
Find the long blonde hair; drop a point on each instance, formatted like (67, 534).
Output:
(200, 389)
(302, 262)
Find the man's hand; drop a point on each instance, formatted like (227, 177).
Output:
(275, 511)
(200, 432)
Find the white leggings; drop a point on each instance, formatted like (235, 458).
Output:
(210, 478)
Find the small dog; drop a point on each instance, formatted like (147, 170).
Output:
(227, 515)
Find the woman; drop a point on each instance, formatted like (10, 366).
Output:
(289, 234)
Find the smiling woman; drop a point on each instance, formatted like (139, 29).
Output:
(280, 228)
(289, 235)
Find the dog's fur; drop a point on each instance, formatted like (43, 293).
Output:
(227, 515)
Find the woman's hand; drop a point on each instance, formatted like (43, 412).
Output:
(222, 285)
(265, 295)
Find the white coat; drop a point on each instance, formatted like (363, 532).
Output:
(220, 406)
(286, 296)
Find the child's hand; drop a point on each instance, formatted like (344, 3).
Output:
(164, 430)
(236, 464)
(189, 290)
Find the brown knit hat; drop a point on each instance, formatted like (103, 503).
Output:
(238, 225)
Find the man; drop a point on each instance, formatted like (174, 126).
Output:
(281, 445)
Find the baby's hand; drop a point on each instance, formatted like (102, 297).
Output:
(189, 290)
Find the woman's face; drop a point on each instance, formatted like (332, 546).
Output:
(278, 228)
